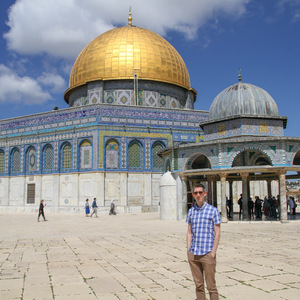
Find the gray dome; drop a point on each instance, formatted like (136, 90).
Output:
(243, 99)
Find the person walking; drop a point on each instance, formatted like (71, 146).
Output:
(202, 238)
(94, 207)
(87, 207)
(41, 210)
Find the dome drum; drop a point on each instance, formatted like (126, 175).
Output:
(150, 93)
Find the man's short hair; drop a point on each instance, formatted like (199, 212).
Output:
(198, 185)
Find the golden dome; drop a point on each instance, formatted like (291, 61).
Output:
(124, 51)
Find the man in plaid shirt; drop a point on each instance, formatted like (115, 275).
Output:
(203, 237)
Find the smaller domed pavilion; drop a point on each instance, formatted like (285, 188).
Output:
(244, 152)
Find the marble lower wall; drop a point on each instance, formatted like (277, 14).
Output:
(131, 192)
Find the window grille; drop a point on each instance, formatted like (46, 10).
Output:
(31, 193)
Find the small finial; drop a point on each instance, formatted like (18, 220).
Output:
(240, 74)
(130, 18)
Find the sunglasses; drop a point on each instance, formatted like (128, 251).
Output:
(200, 193)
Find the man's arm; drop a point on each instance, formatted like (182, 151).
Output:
(217, 229)
(189, 237)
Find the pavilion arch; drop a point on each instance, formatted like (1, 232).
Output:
(198, 161)
(296, 159)
(167, 164)
(251, 156)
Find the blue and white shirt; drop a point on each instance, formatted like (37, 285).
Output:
(203, 220)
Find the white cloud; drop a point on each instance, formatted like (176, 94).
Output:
(64, 28)
(24, 90)
(53, 81)
(291, 5)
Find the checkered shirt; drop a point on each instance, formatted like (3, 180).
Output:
(202, 219)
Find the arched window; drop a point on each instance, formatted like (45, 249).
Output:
(135, 155)
(156, 160)
(2, 161)
(48, 159)
(15, 161)
(112, 156)
(85, 154)
(30, 160)
(66, 157)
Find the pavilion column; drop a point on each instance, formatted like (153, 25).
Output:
(184, 196)
(223, 198)
(245, 189)
(209, 190)
(230, 188)
(231, 196)
(215, 192)
(269, 182)
(282, 193)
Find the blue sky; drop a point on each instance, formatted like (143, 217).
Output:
(40, 40)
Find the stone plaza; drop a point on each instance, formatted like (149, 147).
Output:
(138, 256)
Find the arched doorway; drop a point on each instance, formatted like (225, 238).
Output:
(196, 162)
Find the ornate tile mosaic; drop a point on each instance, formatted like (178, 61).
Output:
(124, 97)
(147, 155)
(109, 97)
(124, 153)
(174, 103)
(151, 98)
(163, 101)
(94, 96)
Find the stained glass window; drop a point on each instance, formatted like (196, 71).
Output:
(135, 155)
(156, 160)
(15, 161)
(2, 161)
(66, 157)
(48, 159)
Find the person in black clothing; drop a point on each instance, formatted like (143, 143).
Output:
(41, 210)
(258, 207)
(229, 206)
(250, 208)
(240, 203)
(112, 208)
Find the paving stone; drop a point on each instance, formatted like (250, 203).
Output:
(11, 294)
(67, 289)
(105, 284)
(37, 292)
(11, 284)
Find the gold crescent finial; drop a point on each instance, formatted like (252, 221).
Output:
(130, 18)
